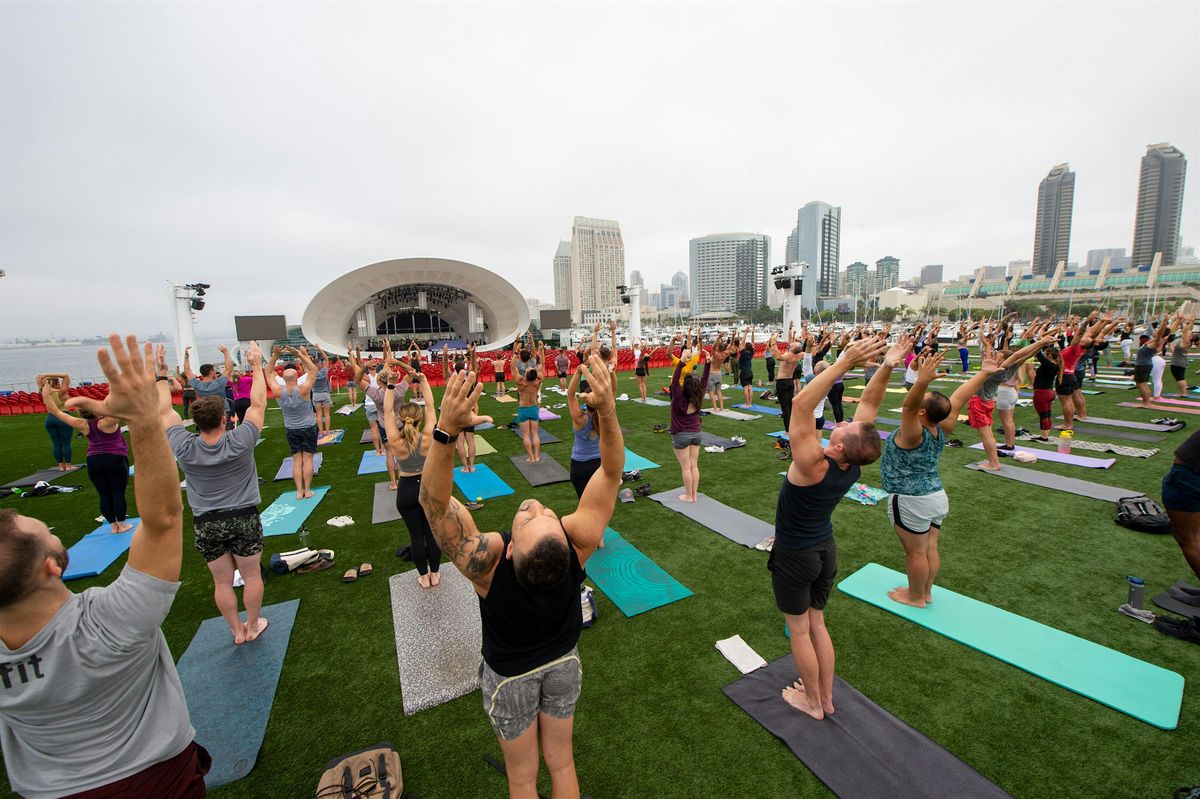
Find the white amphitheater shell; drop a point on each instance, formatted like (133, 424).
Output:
(332, 314)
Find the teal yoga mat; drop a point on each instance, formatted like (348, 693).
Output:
(97, 550)
(631, 580)
(482, 483)
(286, 514)
(230, 689)
(1142, 690)
(635, 461)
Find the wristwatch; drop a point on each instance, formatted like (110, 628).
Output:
(442, 437)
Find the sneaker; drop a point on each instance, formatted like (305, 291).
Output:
(766, 544)
(714, 448)
(1007, 447)
(1021, 431)
(472, 505)
(631, 476)
(738, 439)
(954, 442)
(1183, 629)
(643, 490)
(660, 428)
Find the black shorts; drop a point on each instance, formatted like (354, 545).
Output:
(746, 377)
(803, 578)
(639, 372)
(1141, 374)
(304, 439)
(1067, 385)
(1179, 372)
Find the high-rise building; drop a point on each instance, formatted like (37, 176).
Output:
(562, 275)
(597, 265)
(1052, 230)
(1018, 267)
(728, 272)
(790, 253)
(1095, 258)
(668, 296)
(1159, 205)
(854, 282)
(680, 281)
(931, 273)
(887, 270)
(871, 285)
(817, 241)
(635, 278)
(994, 272)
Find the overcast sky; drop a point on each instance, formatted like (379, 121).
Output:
(268, 148)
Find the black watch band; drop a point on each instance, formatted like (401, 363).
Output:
(442, 437)
(161, 379)
(391, 386)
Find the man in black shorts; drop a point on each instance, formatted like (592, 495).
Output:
(745, 361)
(803, 560)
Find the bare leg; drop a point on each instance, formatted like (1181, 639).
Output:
(535, 439)
(1186, 529)
(934, 559)
(526, 438)
(694, 463)
(1080, 404)
(298, 473)
(227, 603)
(746, 390)
(460, 449)
(823, 645)
(641, 381)
(1182, 387)
(375, 439)
(685, 471)
(989, 447)
(393, 473)
(1143, 390)
(805, 655)
(557, 739)
(1068, 408)
(308, 473)
(916, 563)
(252, 594)
(470, 452)
(521, 763)
(1010, 428)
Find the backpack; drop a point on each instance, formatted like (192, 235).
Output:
(371, 773)
(1142, 514)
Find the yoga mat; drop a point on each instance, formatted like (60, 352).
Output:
(878, 420)
(544, 435)
(1083, 427)
(285, 468)
(1147, 692)
(230, 689)
(734, 415)
(286, 514)
(546, 415)
(635, 461)
(482, 483)
(438, 638)
(47, 475)
(883, 434)
(544, 472)
(653, 401)
(482, 447)
(766, 409)
(346, 410)
(1168, 602)
(631, 580)
(503, 398)
(484, 426)
(383, 505)
(1154, 406)
(1183, 402)
(1095, 446)
(1053, 456)
(1154, 428)
(1083, 488)
(738, 527)
(366, 437)
(330, 437)
(97, 550)
(372, 463)
(862, 751)
(710, 440)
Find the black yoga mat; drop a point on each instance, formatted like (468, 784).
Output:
(544, 472)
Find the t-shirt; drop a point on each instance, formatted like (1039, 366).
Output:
(993, 382)
(1070, 358)
(561, 364)
(243, 387)
(221, 475)
(913, 471)
(1046, 372)
(1145, 356)
(210, 388)
(93, 697)
(745, 358)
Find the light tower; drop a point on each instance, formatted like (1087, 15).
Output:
(790, 280)
(632, 296)
(185, 301)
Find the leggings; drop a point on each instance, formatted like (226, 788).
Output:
(60, 438)
(835, 400)
(785, 390)
(1043, 403)
(581, 472)
(1158, 366)
(964, 355)
(425, 551)
(771, 369)
(110, 474)
(240, 406)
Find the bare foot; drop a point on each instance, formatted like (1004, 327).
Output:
(929, 598)
(393, 486)
(900, 594)
(434, 579)
(308, 494)
(253, 633)
(239, 635)
(797, 698)
(826, 704)
(529, 460)
(423, 581)
(989, 466)
(684, 497)
(122, 527)
(299, 495)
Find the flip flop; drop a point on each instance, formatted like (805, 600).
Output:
(365, 570)
(350, 576)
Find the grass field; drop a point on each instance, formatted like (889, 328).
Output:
(652, 720)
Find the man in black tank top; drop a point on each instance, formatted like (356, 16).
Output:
(803, 559)
(528, 585)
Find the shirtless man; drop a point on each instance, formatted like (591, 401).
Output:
(529, 386)
(785, 386)
(717, 359)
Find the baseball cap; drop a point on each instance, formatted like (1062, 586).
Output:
(625, 495)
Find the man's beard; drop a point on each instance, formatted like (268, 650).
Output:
(60, 557)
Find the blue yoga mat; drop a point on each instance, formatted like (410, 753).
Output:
(635, 461)
(230, 689)
(372, 463)
(1142, 690)
(97, 550)
(331, 437)
(482, 483)
(286, 514)
(767, 409)
(631, 580)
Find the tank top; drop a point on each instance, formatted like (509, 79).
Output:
(913, 471)
(297, 411)
(102, 443)
(321, 381)
(804, 514)
(1046, 372)
(415, 462)
(585, 447)
(1188, 453)
(242, 387)
(523, 628)
(1179, 355)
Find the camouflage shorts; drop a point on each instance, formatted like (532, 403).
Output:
(240, 535)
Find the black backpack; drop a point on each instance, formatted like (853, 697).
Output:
(1142, 514)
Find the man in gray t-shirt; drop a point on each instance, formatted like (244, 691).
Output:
(209, 383)
(89, 695)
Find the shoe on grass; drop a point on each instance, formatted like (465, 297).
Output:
(1184, 630)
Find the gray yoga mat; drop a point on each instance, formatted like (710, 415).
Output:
(438, 638)
(736, 416)
(1155, 428)
(741, 528)
(544, 472)
(653, 401)
(546, 436)
(862, 751)
(1125, 435)
(1168, 602)
(366, 437)
(1083, 488)
(49, 475)
(383, 505)
(285, 468)
(710, 440)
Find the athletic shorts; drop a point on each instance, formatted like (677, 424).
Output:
(639, 372)
(979, 412)
(513, 703)
(1181, 489)
(685, 440)
(527, 413)
(372, 413)
(714, 382)
(237, 532)
(803, 578)
(303, 439)
(1067, 385)
(321, 398)
(1179, 373)
(917, 514)
(746, 377)
(1006, 398)
(1141, 374)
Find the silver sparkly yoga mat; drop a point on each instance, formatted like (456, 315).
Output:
(383, 505)
(1070, 485)
(438, 638)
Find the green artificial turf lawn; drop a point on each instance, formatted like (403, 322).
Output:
(652, 720)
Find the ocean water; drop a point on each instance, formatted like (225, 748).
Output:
(20, 367)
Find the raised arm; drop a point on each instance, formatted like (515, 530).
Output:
(187, 364)
(541, 360)
(911, 430)
(802, 434)
(394, 440)
(257, 412)
(310, 370)
(578, 415)
(1026, 352)
(585, 527)
(49, 397)
(272, 386)
(872, 398)
(228, 368)
(989, 365)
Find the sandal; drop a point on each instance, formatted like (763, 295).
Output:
(350, 576)
(365, 570)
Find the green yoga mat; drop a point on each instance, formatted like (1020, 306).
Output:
(631, 580)
(1142, 690)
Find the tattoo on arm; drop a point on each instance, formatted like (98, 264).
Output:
(458, 538)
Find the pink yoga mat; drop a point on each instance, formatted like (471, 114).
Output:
(1160, 408)
(1058, 457)
(545, 415)
(1172, 401)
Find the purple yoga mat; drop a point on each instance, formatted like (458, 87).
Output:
(1059, 457)
(1154, 406)
(545, 415)
(1187, 403)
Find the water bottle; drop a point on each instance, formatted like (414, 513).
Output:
(1137, 591)
(1064, 442)
(304, 536)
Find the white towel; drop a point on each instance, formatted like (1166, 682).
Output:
(739, 653)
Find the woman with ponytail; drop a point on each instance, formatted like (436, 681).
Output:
(585, 450)
(687, 395)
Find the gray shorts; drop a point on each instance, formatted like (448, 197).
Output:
(1006, 398)
(917, 514)
(321, 398)
(512, 703)
(372, 413)
(685, 440)
(714, 382)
